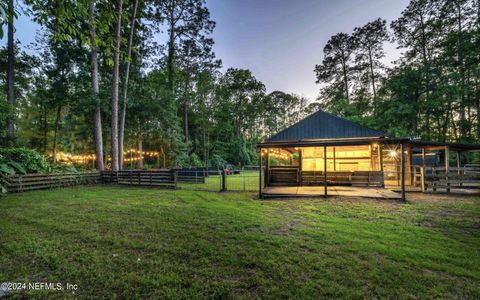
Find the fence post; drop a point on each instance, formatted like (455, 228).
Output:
(422, 180)
(224, 181)
(175, 179)
(243, 175)
(460, 175)
(325, 172)
(414, 175)
(448, 182)
(196, 179)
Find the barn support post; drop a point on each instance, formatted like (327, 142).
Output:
(402, 158)
(325, 171)
(424, 160)
(447, 167)
(459, 167)
(260, 175)
(267, 167)
(410, 171)
(380, 155)
(422, 173)
(299, 183)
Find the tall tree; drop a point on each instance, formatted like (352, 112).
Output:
(10, 72)
(97, 115)
(369, 40)
(121, 130)
(415, 32)
(457, 21)
(115, 80)
(186, 20)
(335, 70)
(195, 59)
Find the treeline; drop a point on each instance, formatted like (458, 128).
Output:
(108, 76)
(101, 81)
(432, 91)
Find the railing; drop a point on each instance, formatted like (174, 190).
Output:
(282, 176)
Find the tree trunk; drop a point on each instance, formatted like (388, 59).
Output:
(10, 74)
(463, 126)
(426, 64)
(121, 129)
(116, 60)
(372, 74)
(45, 129)
(164, 157)
(205, 159)
(55, 133)
(186, 120)
(170, 59)
(345, 77)
(97, 115)
(140, 152)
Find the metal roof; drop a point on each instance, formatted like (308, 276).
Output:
(366, 141)
(322, 125)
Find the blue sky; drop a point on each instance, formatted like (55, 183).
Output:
(279, 40)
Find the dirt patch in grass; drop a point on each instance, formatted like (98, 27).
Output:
(441, 198)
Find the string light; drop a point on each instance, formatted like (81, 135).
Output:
(85, 158)
(144, 153)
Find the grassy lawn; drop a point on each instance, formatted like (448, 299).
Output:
(148, 243)
(246, 181)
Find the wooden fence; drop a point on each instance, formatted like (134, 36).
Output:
(292, 176)
(29, 182)
(154, 178)
(439, 179)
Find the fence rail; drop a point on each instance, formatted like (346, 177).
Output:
(153, 178)
(29, 182)
(465, 178)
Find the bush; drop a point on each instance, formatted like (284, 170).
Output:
(217, 161)
(24, 160)
(195, 161)
(184, 160)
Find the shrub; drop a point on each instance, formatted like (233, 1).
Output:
(184, 160)
(217, 161)
(24, 160)
(195, 161)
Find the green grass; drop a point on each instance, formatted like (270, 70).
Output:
(246, 181)
(117, 242)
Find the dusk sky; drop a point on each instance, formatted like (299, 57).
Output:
(279, 40)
